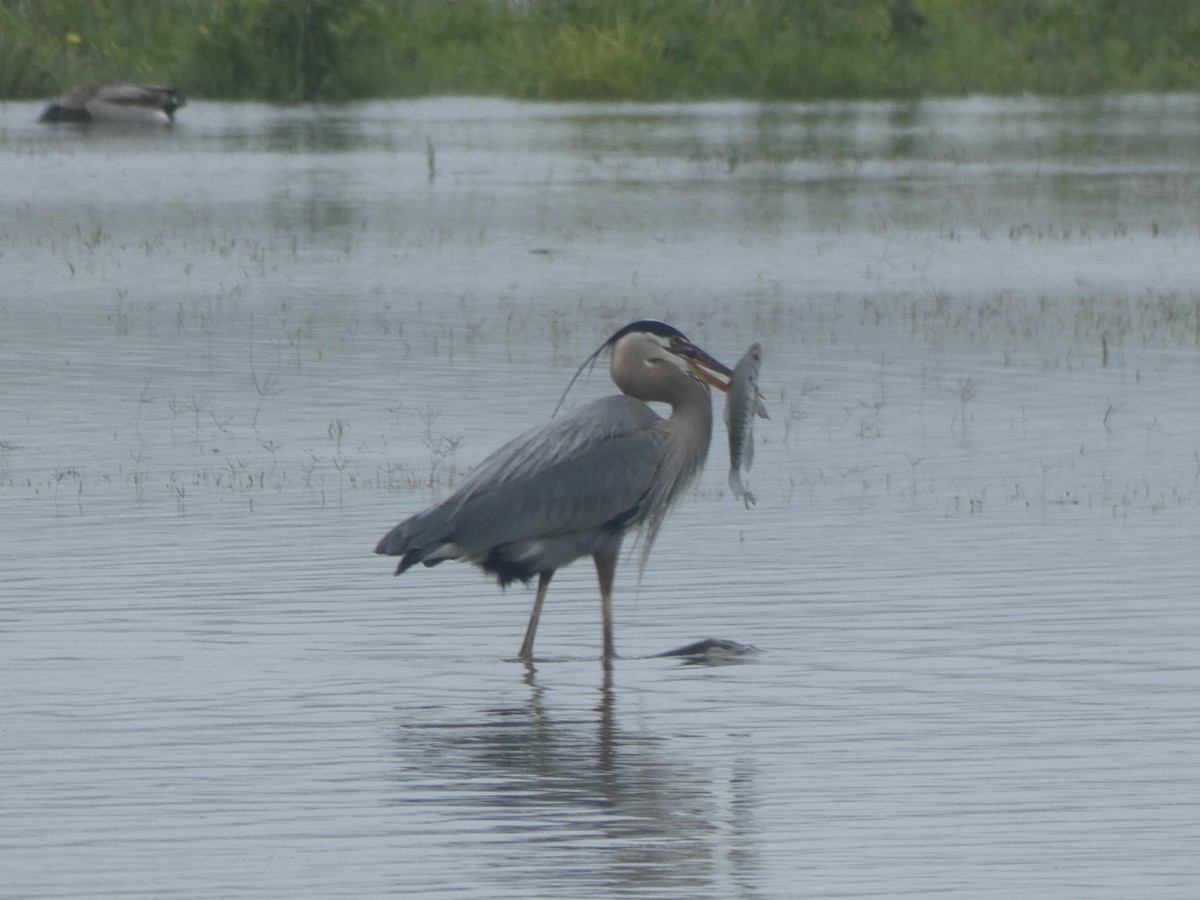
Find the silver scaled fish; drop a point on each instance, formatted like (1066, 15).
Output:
(742, 402)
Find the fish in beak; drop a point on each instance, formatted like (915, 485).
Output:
(710, 370)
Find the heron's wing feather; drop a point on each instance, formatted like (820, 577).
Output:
(583, 471)
(561, 440)
(596, 486)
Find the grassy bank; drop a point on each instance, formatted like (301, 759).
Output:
(297, 50)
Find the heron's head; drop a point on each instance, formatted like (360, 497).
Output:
(641, 349)
(650, 345)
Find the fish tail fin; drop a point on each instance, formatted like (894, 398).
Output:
(735, 484)
(740, 491)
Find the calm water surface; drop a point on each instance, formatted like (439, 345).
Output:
(234, 353)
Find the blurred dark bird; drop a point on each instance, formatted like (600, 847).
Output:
(576, 485)
(116, 103)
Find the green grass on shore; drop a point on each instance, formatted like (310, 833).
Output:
(335, 50)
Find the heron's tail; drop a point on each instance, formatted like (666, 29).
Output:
(413, 540)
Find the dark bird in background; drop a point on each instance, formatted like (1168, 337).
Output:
(576, 485)
(116, 103)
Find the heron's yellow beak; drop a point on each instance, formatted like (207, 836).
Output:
(709, 369)
(706, 368)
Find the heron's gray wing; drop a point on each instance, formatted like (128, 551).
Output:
(584, 471)
(597, 486)
(560, 440)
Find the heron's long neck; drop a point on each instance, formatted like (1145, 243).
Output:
(688, 435)
(689, 431)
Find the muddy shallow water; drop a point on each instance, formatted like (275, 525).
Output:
(234, 353)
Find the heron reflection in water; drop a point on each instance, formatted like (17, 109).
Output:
(576, 485)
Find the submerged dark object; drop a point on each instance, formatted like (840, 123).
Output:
(116, 103)
(713, 650)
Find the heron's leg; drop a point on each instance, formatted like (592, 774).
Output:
(606, 568)
(530, 631)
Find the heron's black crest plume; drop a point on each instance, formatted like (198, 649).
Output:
(646, 326)
(642, 326)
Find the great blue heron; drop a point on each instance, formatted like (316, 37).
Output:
(116, 103)
(577, 484)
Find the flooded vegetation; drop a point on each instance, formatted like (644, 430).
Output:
(235, 351)
(338, 50)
